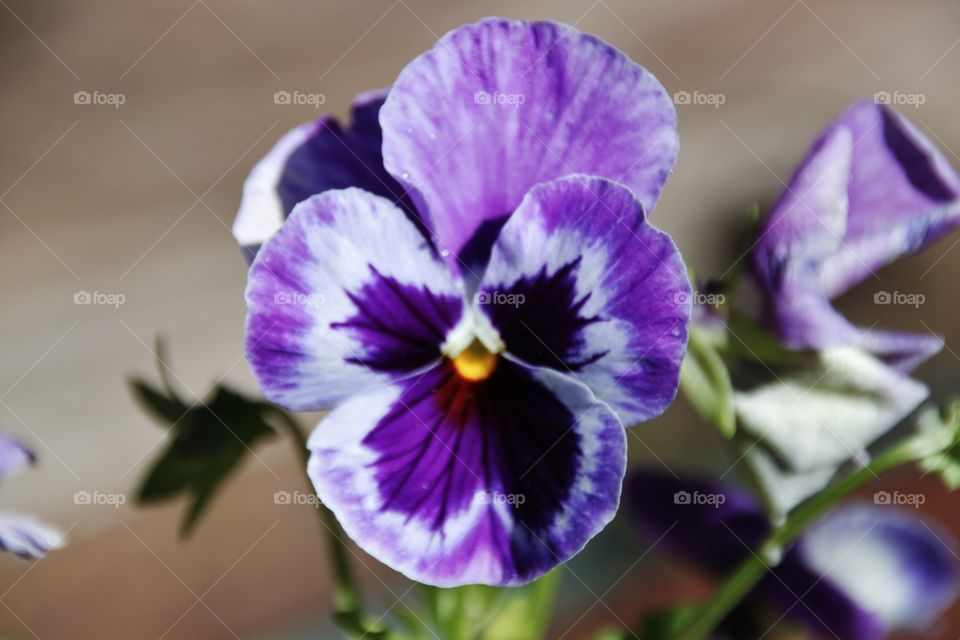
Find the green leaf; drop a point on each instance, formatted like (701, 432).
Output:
(478, 612)
(209, 441)
(940, 431)
(664, 625)
(751, 342)
(705, 381)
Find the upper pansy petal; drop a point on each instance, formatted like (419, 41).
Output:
(871, 189)
(500, 105)
(346, 296)
(310, 159)
(454, 482)
(27, 537)
(900, 570)
(579, 281)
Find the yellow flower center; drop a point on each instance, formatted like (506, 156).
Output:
(475, 363)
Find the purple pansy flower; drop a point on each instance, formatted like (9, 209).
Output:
(872, 188)
(485, 304)
(22, 534)
(858, 574)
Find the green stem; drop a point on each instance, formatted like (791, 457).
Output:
(346, 596)
(742, 581)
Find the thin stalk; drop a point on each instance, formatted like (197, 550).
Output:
(745, 578)
(346, 595)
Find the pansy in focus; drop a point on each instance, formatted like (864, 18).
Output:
(22, 534)
(872, 189)
(860, 573)
(468, 277)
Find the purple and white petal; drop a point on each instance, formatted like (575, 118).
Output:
(579, 281)
(900, 569)
(454, 482)
(13, 455)
(500, 105)
(310, 159)
(27, 537)
(346, 296)
(872, 189)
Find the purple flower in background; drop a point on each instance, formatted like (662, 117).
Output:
(872, 189)
(858, 574)
(484, 304)
(21, 534)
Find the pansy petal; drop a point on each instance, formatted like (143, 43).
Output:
(498, 106)
(453, 482)
(902, 194)
(346, 296)
(579, 281)
(13, 455)
(803, 595)
(313, 158)
(27, 537)
(901, 570)
(715, 525)
(872, 189)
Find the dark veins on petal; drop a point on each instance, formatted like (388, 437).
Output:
(401, 326)
(916, 163)
(447, 441)
(545, 325)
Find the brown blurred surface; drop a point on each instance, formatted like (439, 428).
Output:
(138, 200)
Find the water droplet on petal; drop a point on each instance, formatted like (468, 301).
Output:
(445, 252)
(404, 175)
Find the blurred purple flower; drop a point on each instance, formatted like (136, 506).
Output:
(872, 189)
(858, 574)
(477, 291)
(21, 534)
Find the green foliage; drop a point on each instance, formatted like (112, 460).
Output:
(706, 382)
(478, 612)
(209, 441)
(941, 430)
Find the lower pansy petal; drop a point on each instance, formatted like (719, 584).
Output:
(346, 296)
(454, 482)
(310, 159)
(579, 281)
(27, 537)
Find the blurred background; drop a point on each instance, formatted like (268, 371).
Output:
(130, 192)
